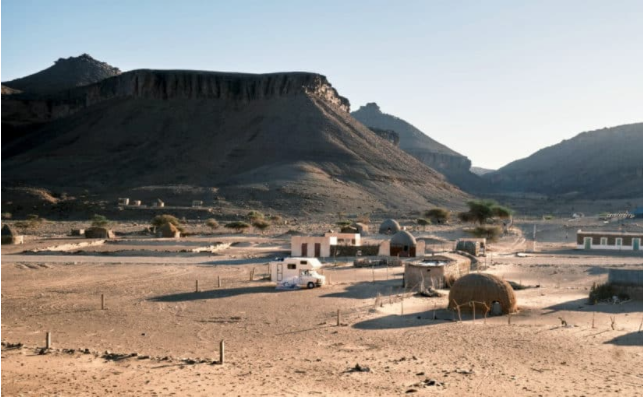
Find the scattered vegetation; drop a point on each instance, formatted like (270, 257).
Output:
(160, 220)
(364, 219)
(605, 293)
(254, 215)
(238, 227)
(548, 217)
(32, 222)
(491, 233)
(261, 225)
(211, 223)
(275, 219)
(99, 221)
(438, 215)
(423, 222)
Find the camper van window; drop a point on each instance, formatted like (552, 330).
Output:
(353, 241)
(304, 262)
(292, 266)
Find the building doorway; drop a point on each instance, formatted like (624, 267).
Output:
(588, 242)
(304, 250)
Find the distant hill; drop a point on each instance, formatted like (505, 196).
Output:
(454, 166)
(284, 140)
(66, 73)
(605, 163)
(481, 171)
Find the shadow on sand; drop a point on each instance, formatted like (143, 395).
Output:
(582, 305)
(215, 294)
(631, 339)
(393, 321)
(366, 290)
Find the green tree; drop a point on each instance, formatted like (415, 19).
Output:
(438, 215)
(261, 225)
(99, 221)
(238, 227)
(481, 210)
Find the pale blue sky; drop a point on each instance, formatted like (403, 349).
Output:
(494, 80)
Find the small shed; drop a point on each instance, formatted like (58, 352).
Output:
(485, 292)
(98, 232)
(473, 246)
(403, 244)
(435, 271)
(389, 226)
(11, 236)
(168, 230)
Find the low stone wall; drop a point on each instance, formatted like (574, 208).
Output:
(626, 277)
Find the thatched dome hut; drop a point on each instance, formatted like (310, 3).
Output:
(8, 231)
(403, 244)
(98, 232)
(482, 288)
(168, 230)
(11, 236)
(362, 228)
(389, 226)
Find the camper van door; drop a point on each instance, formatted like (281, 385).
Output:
(280, 271)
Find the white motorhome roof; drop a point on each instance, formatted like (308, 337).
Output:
(311, 261)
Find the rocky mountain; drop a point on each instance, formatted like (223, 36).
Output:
(605, 163)
(283, 140)
(66, 73)
(454, 166)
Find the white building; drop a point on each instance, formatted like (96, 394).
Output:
(613, 240)
(320, 246)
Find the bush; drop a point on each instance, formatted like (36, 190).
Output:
(604, 293)
(238, 227)
(211, 223)
(438, 215)
(99, 221)
(423, 222)
(491, 233)
(548, 217)
(275, 218)
(254, 215)
(344, 223)
(160, 220)
(482, 210)
(261, 225)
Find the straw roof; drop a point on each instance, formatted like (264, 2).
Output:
(403, 238)
(168, 230)
(98, 232)
(391, 224)
(484, 288)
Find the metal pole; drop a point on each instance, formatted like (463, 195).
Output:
(221, 352)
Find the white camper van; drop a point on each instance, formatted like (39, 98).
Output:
(297, 272)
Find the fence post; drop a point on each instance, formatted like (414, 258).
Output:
(197, 286)
(219, 281)
(102, 301)
(339, 318)
(221, 352)
(48, 340)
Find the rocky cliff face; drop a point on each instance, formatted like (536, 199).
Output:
(387, 134)
(454, 166)
(66, 73)
(165, 85)
(606, 163)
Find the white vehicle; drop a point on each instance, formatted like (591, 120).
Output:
(296, 272)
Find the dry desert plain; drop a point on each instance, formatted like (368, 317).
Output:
(158, 337)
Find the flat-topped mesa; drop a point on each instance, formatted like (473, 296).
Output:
(178, 84)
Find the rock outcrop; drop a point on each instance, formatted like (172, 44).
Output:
(454, 166)
(605, 163)
(66, 73)
(386, 134)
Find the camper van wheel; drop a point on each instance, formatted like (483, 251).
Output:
(311, 285)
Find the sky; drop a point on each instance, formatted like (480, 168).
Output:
(495, 80)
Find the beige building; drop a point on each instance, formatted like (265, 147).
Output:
(434, 271)
(320, 246)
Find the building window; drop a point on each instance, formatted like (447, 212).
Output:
(603, 240)
(292, 266)
(619, 242)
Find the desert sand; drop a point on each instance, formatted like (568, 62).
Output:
(163, 338)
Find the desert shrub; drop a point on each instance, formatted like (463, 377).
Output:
(160, 220)
(438, 215)
(275, 218)
(605, 292)
(211, 223)
(548, 217)
(423, 222)
(99, 221)
(261, 225)
(6, 215)
(254, 215)
(238, 227)
(344, 223)
(32, 222)
(482, 210)
(491, 233)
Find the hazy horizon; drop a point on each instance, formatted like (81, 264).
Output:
(470, 75)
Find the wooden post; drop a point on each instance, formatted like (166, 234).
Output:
(593, 316)
(473, 305)
(102, 301)
(373, 270)
(339, 318)
(221, 352)
(197, 286)
(48, 340)
(402, 305)
(219, 281)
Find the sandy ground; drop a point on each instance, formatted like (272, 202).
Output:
(288, 342)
